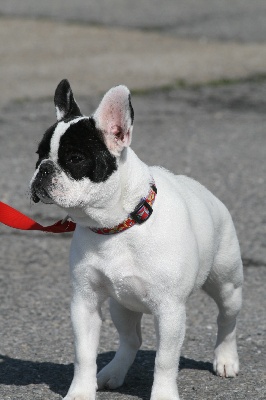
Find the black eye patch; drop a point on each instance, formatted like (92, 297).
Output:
(75, 158)
(83, 154)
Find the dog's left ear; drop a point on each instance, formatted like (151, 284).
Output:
(114, 117)
(65, 104)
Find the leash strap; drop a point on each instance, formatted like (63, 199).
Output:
(15, 219)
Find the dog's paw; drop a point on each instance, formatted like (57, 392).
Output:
(226, 365)
(164, 395)
(110, 378)
(79, 394)
(165, 388)
(76, 397)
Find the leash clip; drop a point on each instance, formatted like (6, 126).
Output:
(67, 217)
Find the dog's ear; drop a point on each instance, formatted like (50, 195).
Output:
(65, 104)
(114, 117)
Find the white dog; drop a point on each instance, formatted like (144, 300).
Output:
(145, 238)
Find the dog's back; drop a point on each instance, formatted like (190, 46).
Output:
(185, 203)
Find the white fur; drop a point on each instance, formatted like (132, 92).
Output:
(59, 114)
(189, 242)
(58, 133)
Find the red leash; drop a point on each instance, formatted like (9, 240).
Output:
(15, 219)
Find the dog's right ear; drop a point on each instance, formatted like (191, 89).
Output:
(65, 104)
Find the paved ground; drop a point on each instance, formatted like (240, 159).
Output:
(213, 131)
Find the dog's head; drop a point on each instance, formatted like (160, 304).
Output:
(79, 155)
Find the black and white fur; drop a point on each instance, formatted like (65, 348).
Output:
(87, 168)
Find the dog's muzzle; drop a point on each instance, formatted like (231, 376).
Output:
(42, 182)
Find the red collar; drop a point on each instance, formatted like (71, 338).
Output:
(141, 213)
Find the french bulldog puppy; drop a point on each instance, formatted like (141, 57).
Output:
(145, 239)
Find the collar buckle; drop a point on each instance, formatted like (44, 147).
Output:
(142, 212)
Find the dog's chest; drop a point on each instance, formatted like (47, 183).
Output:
(125, 281)
(113, 271)
(130, 291)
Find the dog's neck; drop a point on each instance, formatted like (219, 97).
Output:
(119, 195)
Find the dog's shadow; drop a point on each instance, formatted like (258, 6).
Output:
(58, 376)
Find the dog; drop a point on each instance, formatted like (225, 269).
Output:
(144, 238)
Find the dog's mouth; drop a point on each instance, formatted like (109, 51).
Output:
(34, 197)
(40, 194)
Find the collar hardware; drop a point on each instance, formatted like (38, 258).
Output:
(141, 214)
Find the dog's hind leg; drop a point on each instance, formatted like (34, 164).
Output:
(128, 325)
(227, 293)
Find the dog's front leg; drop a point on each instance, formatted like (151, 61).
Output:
(170, 332)
(86, 320)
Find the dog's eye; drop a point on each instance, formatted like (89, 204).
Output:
(75, 158)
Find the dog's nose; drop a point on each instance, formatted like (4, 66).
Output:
(46, 168)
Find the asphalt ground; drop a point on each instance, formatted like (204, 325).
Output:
(212, 131)
(205, 132)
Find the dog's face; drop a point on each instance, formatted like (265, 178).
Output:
(79, 156)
